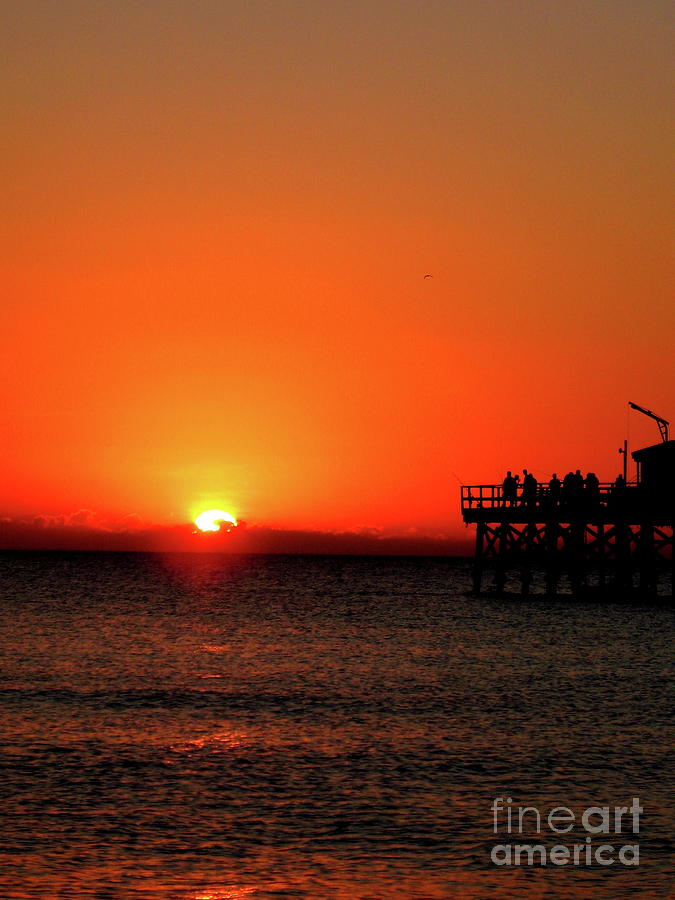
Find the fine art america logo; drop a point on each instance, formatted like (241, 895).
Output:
(596, 821)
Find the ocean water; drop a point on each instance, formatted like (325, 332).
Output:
(220, 728)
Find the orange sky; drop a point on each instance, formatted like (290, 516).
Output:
(217, 222)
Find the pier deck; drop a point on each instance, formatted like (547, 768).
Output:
(615, 537)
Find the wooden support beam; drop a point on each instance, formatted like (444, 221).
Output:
(552, 558)
(529, 539)
(647, 560)
(478, 558)
(502, 549)
(591, 553)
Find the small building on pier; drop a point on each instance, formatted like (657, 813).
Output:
(656, 467)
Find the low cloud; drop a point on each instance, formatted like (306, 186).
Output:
(84, 519)
(88, 530)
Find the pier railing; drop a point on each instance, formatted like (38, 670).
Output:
(489, 502)
(491, 496)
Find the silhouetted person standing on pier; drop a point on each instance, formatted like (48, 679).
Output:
(619, 488)
(529, 488)
(575, 489)
(618, 494)
(554, 490)
(509, 488)
(592, 489)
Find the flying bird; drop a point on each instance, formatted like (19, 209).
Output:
(427, 276)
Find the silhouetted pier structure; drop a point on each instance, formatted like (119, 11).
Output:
(617, 537)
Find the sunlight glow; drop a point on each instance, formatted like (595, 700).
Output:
(212, 519)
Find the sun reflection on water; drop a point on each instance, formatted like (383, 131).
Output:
(229, 893)
(218, 741)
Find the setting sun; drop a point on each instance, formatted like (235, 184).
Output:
(212, 520)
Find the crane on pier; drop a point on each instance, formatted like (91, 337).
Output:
(662, 423)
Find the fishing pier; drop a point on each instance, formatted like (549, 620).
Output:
(605, 538)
